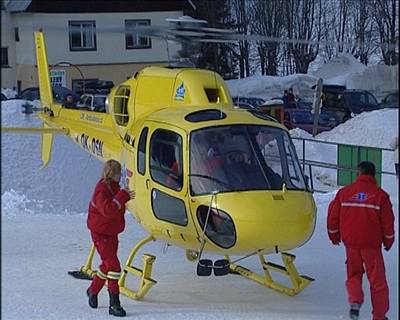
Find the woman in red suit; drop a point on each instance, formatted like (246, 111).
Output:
(105, 221)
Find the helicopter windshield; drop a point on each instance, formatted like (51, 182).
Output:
(243, 157)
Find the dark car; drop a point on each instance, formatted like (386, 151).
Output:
(3, 97)
(390, 101)
(59, 94)
(303, 119)
(326, 118)
(347, 103)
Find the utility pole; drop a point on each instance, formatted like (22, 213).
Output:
(316, 108)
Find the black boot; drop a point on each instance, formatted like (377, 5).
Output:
(354, 311)
(92, 299)
(115, 306)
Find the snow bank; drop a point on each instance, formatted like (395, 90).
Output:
(269, 87)
(348, 71)
(9, 93)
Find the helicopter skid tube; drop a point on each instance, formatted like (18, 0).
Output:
(299, 282)
(146, 282)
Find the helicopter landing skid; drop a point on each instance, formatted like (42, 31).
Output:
(146, 282)
(299, 282)
(85, 272)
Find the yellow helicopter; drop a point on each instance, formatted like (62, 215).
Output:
(209, 177)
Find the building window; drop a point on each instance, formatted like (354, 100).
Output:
(134, 40)
(82, 35)
(4, 57)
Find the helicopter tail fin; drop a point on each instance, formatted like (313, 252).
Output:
(46, 93)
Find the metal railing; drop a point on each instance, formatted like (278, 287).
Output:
(313, 163)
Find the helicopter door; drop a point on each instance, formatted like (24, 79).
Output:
(165, 188)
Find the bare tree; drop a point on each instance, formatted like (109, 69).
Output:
(303, 21)
(362, 20)
(242, 17)
(268, 21)
(386, 19)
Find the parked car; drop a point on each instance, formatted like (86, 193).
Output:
(93, 102)
(391, 100)
(326, 118)
(3, 97)
(303, 119)
(347, 103)
(59, 94)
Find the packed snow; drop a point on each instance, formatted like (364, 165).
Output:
(44, 235)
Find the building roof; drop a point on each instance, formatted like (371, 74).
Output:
(17, 5)
(79, 6)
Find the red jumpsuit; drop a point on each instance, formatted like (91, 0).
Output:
(361, 216)
(105, 221)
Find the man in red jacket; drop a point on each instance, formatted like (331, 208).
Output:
(361, 216)
(105, 221)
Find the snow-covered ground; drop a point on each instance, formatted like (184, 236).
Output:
(44, 235)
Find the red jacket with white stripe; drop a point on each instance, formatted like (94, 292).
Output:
(361, 215)
(107, 208)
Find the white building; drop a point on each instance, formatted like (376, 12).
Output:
(89, 39)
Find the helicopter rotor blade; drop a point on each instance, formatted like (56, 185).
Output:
(181, 33)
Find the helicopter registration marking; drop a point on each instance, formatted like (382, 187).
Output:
(93, 145)
(91, 118)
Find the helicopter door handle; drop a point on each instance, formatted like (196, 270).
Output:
(147, 183)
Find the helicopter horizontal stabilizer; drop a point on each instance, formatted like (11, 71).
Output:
(78, 274)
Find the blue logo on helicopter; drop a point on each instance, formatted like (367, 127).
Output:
(180, 92)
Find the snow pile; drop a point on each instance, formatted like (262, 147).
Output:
(372, 129)
(269, 87)
(378, 79)
(338, 69)
(9, 93)
(348, 71)
(365, 129)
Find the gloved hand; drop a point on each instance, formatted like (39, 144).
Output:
(387, 243)
(335, 238)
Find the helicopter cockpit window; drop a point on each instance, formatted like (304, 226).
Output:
(141, 156)
(242, 157)
(121, 99)
(166, 158)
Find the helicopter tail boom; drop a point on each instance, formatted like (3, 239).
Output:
(46, 94)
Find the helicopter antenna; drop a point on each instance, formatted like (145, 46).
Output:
(168, 56)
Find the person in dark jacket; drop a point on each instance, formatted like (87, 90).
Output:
(105, 221)
(361, 216)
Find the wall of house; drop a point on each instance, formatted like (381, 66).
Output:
(110, 61)
(8, 73)
(115, 72)
(110, 38)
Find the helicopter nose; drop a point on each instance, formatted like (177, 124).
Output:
(260, 221)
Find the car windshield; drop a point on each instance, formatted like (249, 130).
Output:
(302, 117)
(357, 100)
(243, 157)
